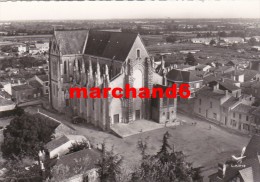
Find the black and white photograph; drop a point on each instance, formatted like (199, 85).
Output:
(130, 91)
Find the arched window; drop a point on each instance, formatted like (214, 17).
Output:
(65, 67)
(138, 53)
(138, 78)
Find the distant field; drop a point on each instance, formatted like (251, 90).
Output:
(26, 38)
(156, 44)
(153, 39)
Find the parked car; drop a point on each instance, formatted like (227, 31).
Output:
(77, 119)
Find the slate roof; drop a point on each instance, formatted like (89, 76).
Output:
(250, 74)
(6, 102)
(256, 85)
(35, 84)
(242, 108)
(253, 147)
(84, 160)
(112, 45)
(71, 41)
(256, 112)
(208, 92)
(44, 78)
(22, 87)
(229, 86)
(56, 143)
(183, 76)
(230, 102)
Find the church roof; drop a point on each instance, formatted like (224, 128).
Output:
(112, 45)
(71, 41)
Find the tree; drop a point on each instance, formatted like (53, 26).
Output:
(190, 59)
(77, 146)
(167, 166)
(212, 42)
(25, 136)
(252, 41)
(109, 165)
(171, 39)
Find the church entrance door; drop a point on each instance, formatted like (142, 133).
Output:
(116, 118)
(137, 115)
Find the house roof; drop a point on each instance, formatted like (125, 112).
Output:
(35, 84)
(230, 102)
(183, 76)
(4, 94)
(256, 112)
(44, 78)
(243, 108)
(80, 161)
(57, 142)
(6, 102)
(208, 92)
(253, 147)
(71, 41)
(112, 45)
(228, 86)
(256, 85)
(22, 87)
(250, 74)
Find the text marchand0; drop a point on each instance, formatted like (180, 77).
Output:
(144, 92)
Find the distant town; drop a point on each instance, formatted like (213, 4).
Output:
(212, 136)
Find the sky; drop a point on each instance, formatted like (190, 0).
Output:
(63, 10)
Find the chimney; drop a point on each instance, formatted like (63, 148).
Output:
(226, 92)
(216, 87)
(221, 170)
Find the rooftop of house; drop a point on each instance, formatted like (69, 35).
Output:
(5, 95)
(183, 76)
(230, 102)
(250, 74)
(80, 161)
(44, 78)
(201, 66)
(227, 84)
(6, 102)
(209, 92)
(256, 112)
(57, 142)
(112, 45)
(256, 85)
(243, 108)
(35, 84)
(221, 69)
(22, 87)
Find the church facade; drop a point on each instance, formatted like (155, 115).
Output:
(83, 58)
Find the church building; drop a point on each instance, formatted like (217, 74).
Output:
(86, 58)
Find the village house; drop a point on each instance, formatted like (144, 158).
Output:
(25, 93)
(244, 170)
(61, 145)
(179, 77)
(254, 65)
(82, 58)
(202, 67)
(44, 81)
(229, 109)
(81, 165)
